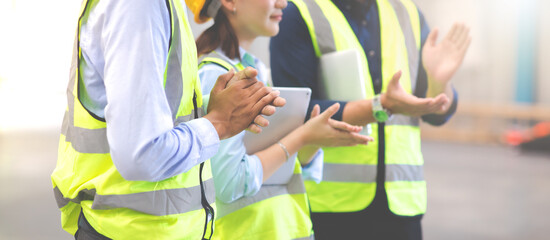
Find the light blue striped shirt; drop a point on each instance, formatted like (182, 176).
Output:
(123, 63)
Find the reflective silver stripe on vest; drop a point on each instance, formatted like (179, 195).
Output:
(305, 238)
(82, 196)
(410, 39)
(83, 140)
(402, 172)
(323, 31)
(189, 117)
(295, 186)
(398, 119)
(349, 173)
(159, 203)
(367, 173)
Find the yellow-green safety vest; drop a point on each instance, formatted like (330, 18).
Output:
(276, 212)
(86, 179)
(349, 174)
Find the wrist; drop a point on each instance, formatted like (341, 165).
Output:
(358, 112)
(219, 125)
(379, 112)
(437, 87)
(300, 137)
(384, 100)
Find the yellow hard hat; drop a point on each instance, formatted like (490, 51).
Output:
(210, 7)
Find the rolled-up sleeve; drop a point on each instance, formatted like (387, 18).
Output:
(314, 170)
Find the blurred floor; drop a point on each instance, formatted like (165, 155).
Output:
(474, 192)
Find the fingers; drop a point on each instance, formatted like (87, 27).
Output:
(254, 128)
(432, 37)
(463, 36)
(249, 72)
(465, 45)
(268, 110)
(453, 33)
(258, 87)
(316, 110)
(261, 121)
(433, 105)
(263, 98)
(395, 79)
(440, 102)
(329, 112)
(222, 81)
(243, 77)
(361, 139)
(279, 102)
(352, 139)
(343, 126)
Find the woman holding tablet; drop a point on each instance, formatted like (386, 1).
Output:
(247, 208)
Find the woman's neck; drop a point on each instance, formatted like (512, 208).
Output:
(245, 39)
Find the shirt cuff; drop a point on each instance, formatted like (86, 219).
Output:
(314, 170)
(208, 136)
(440, 119)
(324, 104)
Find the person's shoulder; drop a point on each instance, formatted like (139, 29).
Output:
(142, 7)
(292, 22)
(291, 11)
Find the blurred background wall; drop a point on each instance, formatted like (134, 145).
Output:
(480, 186)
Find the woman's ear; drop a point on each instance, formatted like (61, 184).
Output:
(229, 6)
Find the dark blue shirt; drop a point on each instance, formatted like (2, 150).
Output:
(294, 63)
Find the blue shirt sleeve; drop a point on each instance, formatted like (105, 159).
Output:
(236, 174)
(422, 83)
(293, 59)
(128, 53)
(314, 170)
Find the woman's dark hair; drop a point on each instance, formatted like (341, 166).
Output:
(220, 34)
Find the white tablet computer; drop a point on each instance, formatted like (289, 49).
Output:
(284, 121)
(341, 76)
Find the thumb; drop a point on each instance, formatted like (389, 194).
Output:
(222, 81)
(316, 110)
(432, 37)
(329, 112)
(395, 80)
(247, 73)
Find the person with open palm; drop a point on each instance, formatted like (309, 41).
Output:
(376, 191)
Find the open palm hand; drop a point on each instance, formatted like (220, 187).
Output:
(442, 60)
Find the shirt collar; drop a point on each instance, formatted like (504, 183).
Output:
(356, 8)
(235, 61)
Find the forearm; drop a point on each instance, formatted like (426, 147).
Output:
(435, 88)
(274, 156)
(139, 156)
(306, 154)
(358, 113)
(324, 104)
